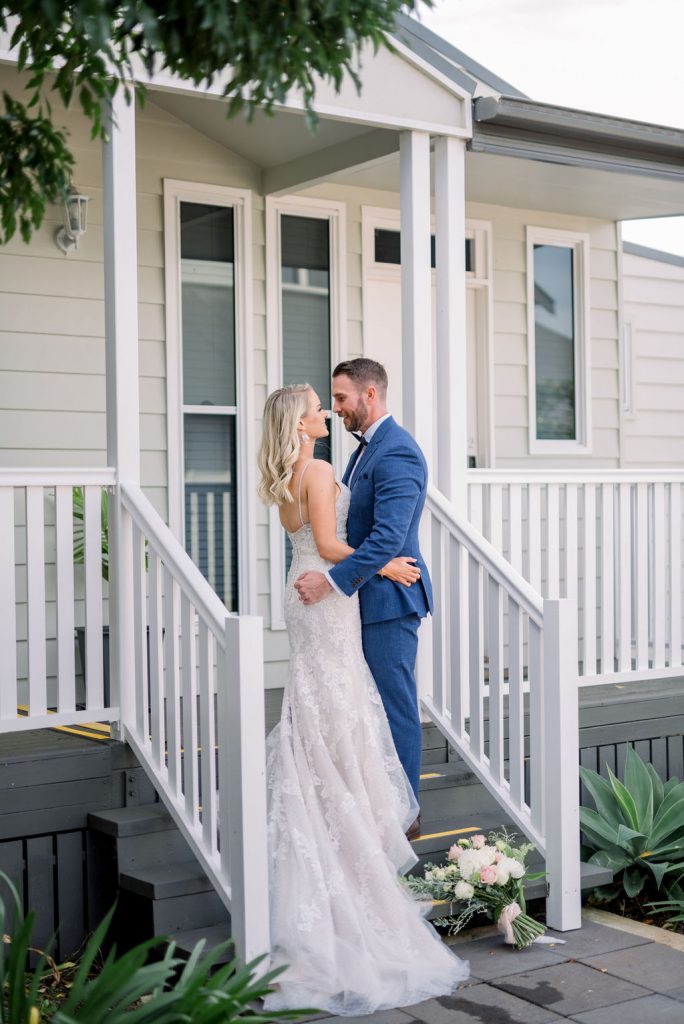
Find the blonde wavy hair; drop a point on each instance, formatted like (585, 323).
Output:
(280, 443)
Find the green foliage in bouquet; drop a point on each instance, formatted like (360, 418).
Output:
(147, 985)
(636, 830)
(485, 876)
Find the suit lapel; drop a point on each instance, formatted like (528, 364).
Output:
(372, 449)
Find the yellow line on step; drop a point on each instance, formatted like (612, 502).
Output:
(432, 775)
(451, 832)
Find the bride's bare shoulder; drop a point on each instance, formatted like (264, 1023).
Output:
(319, 471)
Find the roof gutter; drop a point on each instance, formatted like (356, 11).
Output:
(539, 131)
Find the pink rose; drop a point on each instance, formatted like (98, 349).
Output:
(454, 852)
(477, 842)
(488, 874)
(498, 857)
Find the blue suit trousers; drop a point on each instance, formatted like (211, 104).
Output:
(390, 649)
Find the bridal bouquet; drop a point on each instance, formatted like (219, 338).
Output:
(487, 876)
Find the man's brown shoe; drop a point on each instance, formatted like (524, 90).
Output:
(413, 831)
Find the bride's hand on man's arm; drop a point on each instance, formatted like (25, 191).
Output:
(401, 570)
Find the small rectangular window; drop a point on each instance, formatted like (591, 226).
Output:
(209, 396)
(558, 274)
(554, 342)
(388, 248)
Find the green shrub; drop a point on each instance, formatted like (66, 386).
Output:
(637, 829)
(133, 988)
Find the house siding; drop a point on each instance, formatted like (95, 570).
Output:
(653, 429)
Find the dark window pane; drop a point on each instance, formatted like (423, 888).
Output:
(211, 501)
(208, 305)
(206, 232)
(305, 265)
(388, 248)
(554, 332)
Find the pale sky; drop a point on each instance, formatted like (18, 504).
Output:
(621, 57)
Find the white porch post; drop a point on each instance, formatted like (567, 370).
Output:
(416, 336)
(560, 771)
(121, 360)
(451, 391)
(416, 289)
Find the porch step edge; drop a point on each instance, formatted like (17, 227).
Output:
(160, 882)
(214, 935)
(132, 821)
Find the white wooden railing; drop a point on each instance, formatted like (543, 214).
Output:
(609, 540)
(503, 690)
(186, 676)
(43, 597)
(193, 711)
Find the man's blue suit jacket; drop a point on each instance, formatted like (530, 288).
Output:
(387, 497)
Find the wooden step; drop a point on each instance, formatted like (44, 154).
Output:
(213, 936)
(162, 881)
(132, 821)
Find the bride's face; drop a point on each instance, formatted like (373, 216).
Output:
(313, 423)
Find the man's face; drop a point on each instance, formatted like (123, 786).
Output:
(350, 403)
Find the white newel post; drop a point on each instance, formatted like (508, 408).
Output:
(560, 722)
(416, 334)
(242, 803)
(452, 392)
(123, 408)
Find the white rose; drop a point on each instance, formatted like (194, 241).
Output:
(439, 874)
(464, 891)
(502, 873)
(469, 863)
(517, 870)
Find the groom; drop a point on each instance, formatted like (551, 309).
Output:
(387, 476)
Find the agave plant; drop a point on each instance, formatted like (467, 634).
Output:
(637, 829)
(149, 984)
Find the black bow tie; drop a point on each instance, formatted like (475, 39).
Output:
(360, 438)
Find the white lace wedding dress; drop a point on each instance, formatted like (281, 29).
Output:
(339, 801)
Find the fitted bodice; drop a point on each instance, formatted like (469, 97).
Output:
(304, 551)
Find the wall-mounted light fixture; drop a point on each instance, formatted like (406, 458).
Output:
(75, 215)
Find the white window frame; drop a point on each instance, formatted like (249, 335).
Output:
(240, 200)
(580, 245)
(335, 213)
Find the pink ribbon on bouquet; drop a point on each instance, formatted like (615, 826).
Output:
(505, 922)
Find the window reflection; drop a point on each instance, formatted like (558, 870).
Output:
(554, 344)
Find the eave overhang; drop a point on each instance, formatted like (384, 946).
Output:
(536, 131)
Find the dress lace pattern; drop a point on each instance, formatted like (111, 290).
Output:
(339, 802)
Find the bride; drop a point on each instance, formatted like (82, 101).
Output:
(355, 941)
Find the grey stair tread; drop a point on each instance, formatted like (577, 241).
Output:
(214, 935)
(132, 821)
(439, 834)
(447, 775)
(166, 880)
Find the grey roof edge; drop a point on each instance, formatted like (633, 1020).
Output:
(659, 255)
(421, 49)
(446, 49)
(546, 118)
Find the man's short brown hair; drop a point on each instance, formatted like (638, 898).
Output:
(364, 372)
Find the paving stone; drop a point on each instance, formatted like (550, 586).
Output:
(677, 993)
(658, 967)
(483, 1004)
(382, 1017)
(656, 1009)
(592, 939)
(491, 958)
(570, 987)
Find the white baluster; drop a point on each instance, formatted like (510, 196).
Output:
(64, 565)
(35, 582)
(140, 641)
(93, 596)
(676, 574)
(189, 703)
(641, 575)
(515, 526)
(172, 681)
(516, 705)
(624, 591)
(8, 613)
(476, 656)
(440, 618)
(156, 659)
(607, 580)
(534, 536)
(589, 583)
(659, 575)
(496, 687)
(553, 540)
(571, 534)
(496, 516)
(459, 660)
(536, 720)
(207, 725)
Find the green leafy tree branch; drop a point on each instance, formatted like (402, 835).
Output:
(83, 51)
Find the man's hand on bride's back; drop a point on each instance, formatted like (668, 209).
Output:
(401, 570)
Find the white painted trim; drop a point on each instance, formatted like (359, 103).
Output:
(581, 246)
(335, 213)
(240, 200)
(480, 279)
